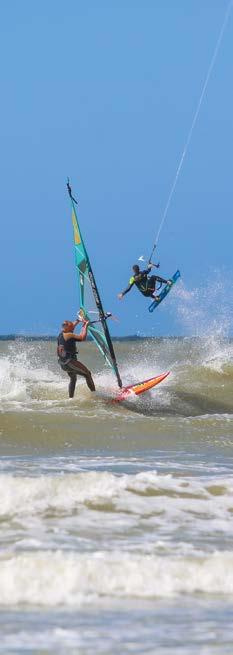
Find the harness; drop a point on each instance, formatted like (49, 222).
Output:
(66, 350)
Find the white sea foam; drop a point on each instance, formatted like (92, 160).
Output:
(158, 501)
(54, 578)
(30, 379)
(218, 355)
(11, 388)
(23, 374)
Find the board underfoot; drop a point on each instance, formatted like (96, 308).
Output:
(140, 387)
(164, 292)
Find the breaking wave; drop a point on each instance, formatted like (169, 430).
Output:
(52, 579)
(200, 381)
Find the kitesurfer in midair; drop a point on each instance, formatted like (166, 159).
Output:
(67, 354)
(146, 285)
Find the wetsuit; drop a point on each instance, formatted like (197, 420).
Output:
(67, 358)
(146, 285)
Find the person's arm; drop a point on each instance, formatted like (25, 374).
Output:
(77, 320)
(153, 265)
(78, 337)
(83, 334)
(131, 283)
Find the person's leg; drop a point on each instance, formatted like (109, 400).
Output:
(161, 282)
(151, 282)
(151, 287)
(80, 369)
(73, 379)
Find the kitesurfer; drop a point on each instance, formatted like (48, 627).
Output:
(67, 354)
(146, 285)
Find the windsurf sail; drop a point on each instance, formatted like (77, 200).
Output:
(89, 298)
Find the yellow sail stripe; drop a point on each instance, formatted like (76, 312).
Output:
(77, 238)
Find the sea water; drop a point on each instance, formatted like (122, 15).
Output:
(117, 519)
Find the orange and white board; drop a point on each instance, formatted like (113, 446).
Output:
(140, 387)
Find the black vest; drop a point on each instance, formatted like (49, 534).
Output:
(142, 283)
(66, 350)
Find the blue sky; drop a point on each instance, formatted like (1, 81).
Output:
(105, 92)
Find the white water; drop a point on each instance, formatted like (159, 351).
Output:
(52, 579)
(116, 521)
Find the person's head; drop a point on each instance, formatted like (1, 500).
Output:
(68, 326)
(136, 269)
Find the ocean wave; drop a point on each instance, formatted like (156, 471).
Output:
(200, 381)
(57, 578)
(140, 494)
(24, 375)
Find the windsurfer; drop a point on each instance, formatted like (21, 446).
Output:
(67, 354)
(146, 285)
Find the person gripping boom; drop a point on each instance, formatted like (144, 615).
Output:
(67, 354)
(146, 285)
